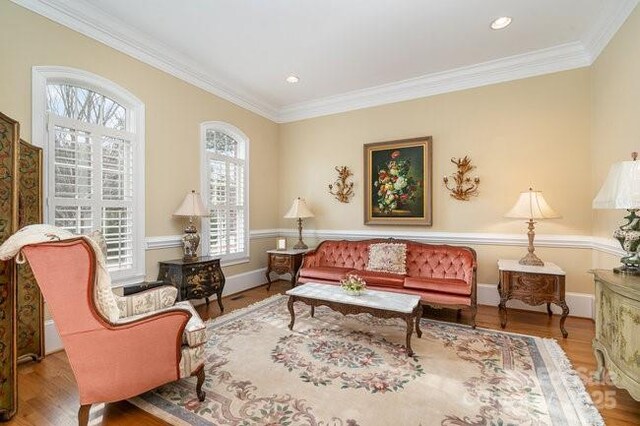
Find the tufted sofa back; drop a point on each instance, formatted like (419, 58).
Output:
(343, 254)
(423, 260)
(441, 261)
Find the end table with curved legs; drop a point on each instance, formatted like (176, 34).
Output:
(284, 262)
(533, 285)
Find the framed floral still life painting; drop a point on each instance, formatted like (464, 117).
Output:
(398, 176)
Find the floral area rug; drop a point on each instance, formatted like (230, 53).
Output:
(336, 370)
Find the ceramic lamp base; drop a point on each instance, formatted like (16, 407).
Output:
(627, 270)
(190, 242)
(628, 235)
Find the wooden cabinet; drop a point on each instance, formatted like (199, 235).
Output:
(284, 262)
(195, 279)
(533, 285)
(21, 306)
(140, 287)
(617, 342)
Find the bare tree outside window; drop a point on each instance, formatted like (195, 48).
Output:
(85, 105)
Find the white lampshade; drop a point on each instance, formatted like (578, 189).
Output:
(532, 205)
(192, 206)
(298, 210)
(621, 189)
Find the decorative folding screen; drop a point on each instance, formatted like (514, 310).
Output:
(21, 308)
(30, 309)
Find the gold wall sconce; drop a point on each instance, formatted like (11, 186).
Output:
(463, 187)
(343, 190)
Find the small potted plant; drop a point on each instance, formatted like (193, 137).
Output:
(353, 285)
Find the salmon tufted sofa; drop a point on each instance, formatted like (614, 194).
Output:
(443, 276)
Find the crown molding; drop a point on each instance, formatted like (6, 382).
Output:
(92, 22)
(610, 22)
(554, 59)
(539, 62)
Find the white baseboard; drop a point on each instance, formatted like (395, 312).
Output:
(580, 304)
(52, 341)
(245, 281)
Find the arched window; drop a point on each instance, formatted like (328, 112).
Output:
(225, 153)
(92, 132)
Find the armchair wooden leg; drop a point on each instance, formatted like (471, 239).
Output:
(83, 415)
(474, 311)
(199, 373)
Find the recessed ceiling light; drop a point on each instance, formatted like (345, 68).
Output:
(501, 22)
(293, 79)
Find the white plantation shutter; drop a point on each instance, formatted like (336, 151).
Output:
(226, 193)
(117, 201)
(91, 171)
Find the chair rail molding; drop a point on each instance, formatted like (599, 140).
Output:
(587, 242)
(170, 241)
(609, 246)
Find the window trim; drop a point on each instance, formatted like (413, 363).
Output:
(240, 136)
(44, 75)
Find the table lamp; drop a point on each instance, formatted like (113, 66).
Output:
(621, 190)
(299, 210)
(191, 207)
(531, 205)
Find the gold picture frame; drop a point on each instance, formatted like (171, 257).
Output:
(398, 178)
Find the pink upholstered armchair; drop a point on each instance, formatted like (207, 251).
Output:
(114, 358)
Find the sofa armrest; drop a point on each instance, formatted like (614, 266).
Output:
(311, 259)
(146, 301)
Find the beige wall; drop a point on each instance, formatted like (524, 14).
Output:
(528, 132)
(174, 111)
(558, 133)
(616, 115)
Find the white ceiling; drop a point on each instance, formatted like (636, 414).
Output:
(348, 53)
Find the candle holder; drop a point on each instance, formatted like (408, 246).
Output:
(463, 187)
(343, 189)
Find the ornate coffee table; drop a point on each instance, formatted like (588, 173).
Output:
(381, 304)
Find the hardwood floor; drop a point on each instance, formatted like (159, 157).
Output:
(48, 396)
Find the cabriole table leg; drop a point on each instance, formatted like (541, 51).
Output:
(418, 317)
(565, 313)
(291, 311)
(409, 320)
